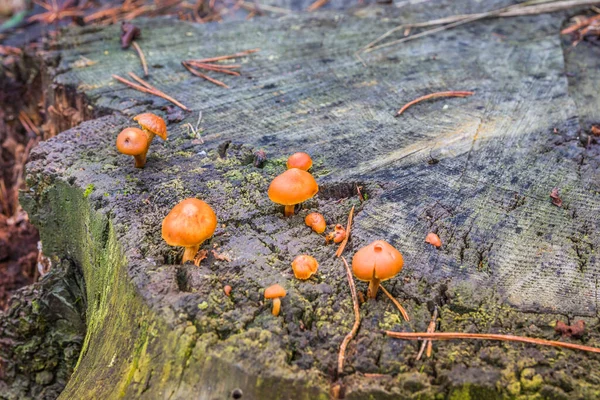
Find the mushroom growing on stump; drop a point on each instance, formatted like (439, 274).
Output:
(316, 221)
(299, 160)
(134, 142)
(275, 292)
(189, 223)
(292, 187)
(376, 262)
(153, 124)
(304, 266)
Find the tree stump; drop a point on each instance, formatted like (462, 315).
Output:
(478, 171)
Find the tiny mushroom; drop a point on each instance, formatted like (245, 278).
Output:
(275, 292)
(134, 142)
(152, 124)
(433, 239)
(189, 223)
(299, 160)
(316, 221)
(304, 266)
(338, 235)
(376, 262)
(292, 187)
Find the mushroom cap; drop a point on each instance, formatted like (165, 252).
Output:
(152, 123)
(299, 160)
(132, 141)
(274, 291)
(304, 266)
(189, 223)
(292, 187)
(316, 221)
(378, 260)
(433, 239)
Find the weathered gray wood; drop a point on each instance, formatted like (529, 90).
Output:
(511, 261)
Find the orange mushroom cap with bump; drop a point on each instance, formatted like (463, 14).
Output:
(316, 221)
(152, 123)
(379, 260)
(274, 291)
(299, 160)
(132, 141)
(433, 239)
(304, 266)
(292, 187)
(188, 224)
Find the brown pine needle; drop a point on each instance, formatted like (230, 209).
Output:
(147, 88)
(340, 249)
(488, 336)
(203, 76)
(352, 333)
(216, 68)
(430, 329)
(140, 53)
(222, 66)
(579, 25)
(396, 303)
(219, 58)
(316, 5)
(434, 96)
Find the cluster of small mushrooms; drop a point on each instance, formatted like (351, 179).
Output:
(192, 221)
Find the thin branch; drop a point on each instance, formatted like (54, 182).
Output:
(252, 7)
(528, 8)
(204, 76)
(213, 67)
(488, 336)
(140, 53)
(340, 249)
(434, 96)
(396, 303)
(579, 25)
(147, 88)
(352, 333)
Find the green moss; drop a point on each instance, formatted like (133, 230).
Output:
(88, 190)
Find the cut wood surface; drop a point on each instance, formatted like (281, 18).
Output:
(512, 262)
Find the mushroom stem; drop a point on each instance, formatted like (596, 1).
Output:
(140, 160)
(190, 253)
(276, 306)
(373, 287)
(289, 210)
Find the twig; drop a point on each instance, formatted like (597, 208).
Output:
(579, 25)
(427, 342)
(28, 124)
(316, 5)
(221, 66)
(204, 76)
(141, 55)
(227, 57)
(252, 7)
(434, 96)
(396, 303)
(528, 8)
(340, 249)
(147, 88)
(350, 335)
(488, 336)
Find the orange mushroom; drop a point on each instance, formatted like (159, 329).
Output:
(152, 124)
(134, 142)
(304, 266)
(433, 239)
(338, 234)
(189, 223)
(299, 160)
(316, 221)
(275, 292)
(292, 187)
(376, 262)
